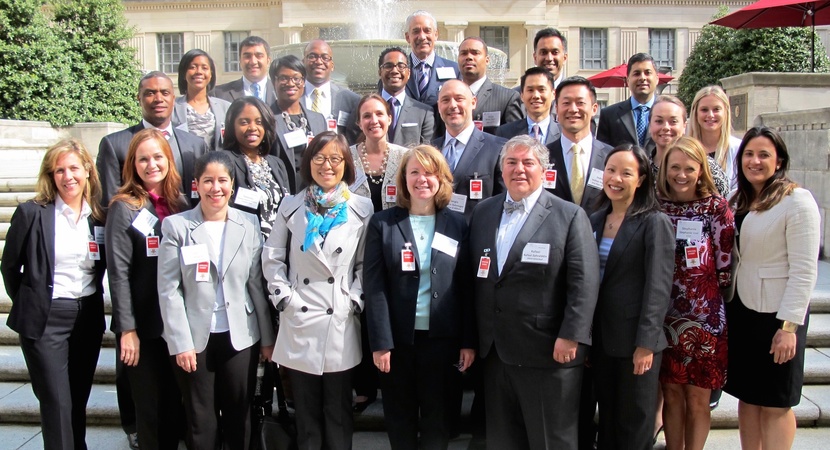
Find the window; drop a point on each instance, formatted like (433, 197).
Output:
(497, 37)
(171, 49)
(232, 41)
(661, 46)
(593, 48)
(334, 33)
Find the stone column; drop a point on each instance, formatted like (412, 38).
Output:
(292, 32)
(455, 31)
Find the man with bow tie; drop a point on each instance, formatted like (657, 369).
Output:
(537, 275)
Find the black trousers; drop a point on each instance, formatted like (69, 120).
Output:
(531, 408)
(157, 408)
(365, 378)
(61, 366)
(218, 394)
(323, 409)
(418, 393)
(627, 402)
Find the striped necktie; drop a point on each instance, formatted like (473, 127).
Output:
(577, 176)
(316, 100)
(423, 80)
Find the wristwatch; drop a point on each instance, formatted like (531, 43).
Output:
(790, 327)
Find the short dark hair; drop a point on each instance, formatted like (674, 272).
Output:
(645, 198)
(253, 41)
(477, 39)
(289, 62)
(387, 51)
(211, 158)
(577, 80)
(549, 32)
(185, 63)
(320, 142)
(269, 124)
(639, 57)
(150, 75)
(536, 70)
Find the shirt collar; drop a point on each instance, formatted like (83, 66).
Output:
(400, 97)
(635, 103)
(463, 137)
(530, 201)
(586, 144)
(430, 60)
(543, 125)
(477, 85)
(324, 89)
(169, 128)
(246, 84)
(63, 209)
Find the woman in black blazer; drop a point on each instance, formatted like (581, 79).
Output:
(636, 248)
(260, 179)
(420, 317)
(151, 192)
(52, 266)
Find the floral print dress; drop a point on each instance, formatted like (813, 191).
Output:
(695, 324)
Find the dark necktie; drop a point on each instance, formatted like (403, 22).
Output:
(255, 90)
(391, 132)
(642, 125)
(423, 81)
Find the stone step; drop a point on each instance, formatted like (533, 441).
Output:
(15, 198)
(6, 213)
(9, 336)
(18, 184)
(4, 228)
(13, 365)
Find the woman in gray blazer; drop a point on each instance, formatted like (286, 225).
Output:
(313, 262)
(195, 111)
(216, 320)
(636, 254)
(150, 193)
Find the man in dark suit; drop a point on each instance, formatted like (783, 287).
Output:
(473, 155)
(627, 121)
(550, 52)
(537, 97)
(577, 158)
(536, 289)
(412, 121)
(254, 59)
(336, 103)
(495, 104)
(429, 70)
(156, 96)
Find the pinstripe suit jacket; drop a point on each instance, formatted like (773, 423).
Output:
(492, 97)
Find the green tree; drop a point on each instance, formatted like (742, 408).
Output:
(35, 80)
(105, 71)
(723, 52)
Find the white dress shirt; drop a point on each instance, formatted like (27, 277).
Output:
(586, 144)
(263, 86)
(511, 224)
(219, 322)
(477, 85)
(461, 143)
(74, 275)
(543, 128)
(325, 97)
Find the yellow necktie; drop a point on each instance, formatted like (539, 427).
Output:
(577, 176)
(315, 100)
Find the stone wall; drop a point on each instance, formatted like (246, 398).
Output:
(807, 135)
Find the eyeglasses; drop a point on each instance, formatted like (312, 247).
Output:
(285, 79)
(314, 57)
(389, 66)
(319, 159)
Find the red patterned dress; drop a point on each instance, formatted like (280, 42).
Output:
(695, 324)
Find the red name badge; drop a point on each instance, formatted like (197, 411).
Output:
(202, 271)
(94, 253)
(484, 267)
(692, 256)
(407, 260)
(194, 189)
(331, 123)
(152, 245)
(391, 193)
(479, 124)
(310, 137)
(475, 189)
(550, 179)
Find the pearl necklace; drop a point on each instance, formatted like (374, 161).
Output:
(364, 158)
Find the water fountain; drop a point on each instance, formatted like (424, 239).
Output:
(376, 25)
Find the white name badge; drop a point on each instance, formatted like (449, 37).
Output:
(445, 244)
(94, 252)
(152, 245)
(458, 203)
(445, 73)
(491, 118)
(203, 271)
(144, 222)
(484, 267)
(536, 253)
(99, 235)
(595, 180)
(295, 138)
(476, 187)
(342, 118)
(689, 230)
(692, 256)
(550, 179)
(391, 193)
(248, 198)
(193, 254)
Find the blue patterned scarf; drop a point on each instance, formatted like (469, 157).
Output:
(336, 213)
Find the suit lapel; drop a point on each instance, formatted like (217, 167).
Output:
(234, 234)
(180, 112)
(563, 183)
(534, 221)
(597, 162)
(440, 227)
(489, 221)
(628, 228)
(199, 234)
(627, 119)
(405, 105)
(47, 224)
(481, 98)
(553, 132)
(176, 149)
(471, 150)
(405, 228)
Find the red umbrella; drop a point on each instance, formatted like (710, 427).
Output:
(616, 77)
(780, 13)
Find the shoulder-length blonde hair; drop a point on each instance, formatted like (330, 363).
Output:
(692, 148)
(132, 191)
(434, 162)
(47, 191)
(722, 150)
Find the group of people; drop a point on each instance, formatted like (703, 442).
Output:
(398, 239)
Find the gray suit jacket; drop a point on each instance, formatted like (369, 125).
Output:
(345, 101)
(217, 106)
(525, 308)
(492, 97)
(236, 89)
(291, 156)
(519, 128)
(479, 160)
(112, 151)
(616, 126)
(563, 182)
(635, 292)
(187, 305)
(415, 124)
